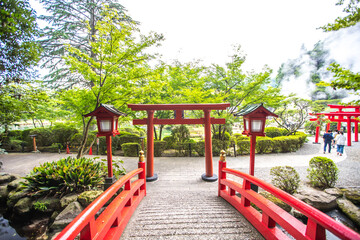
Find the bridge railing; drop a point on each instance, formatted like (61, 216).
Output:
(112, 221)
(265, 222)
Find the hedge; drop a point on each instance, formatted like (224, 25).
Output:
(159, 147)
(273, 145)
(131, 149)
(126, 137)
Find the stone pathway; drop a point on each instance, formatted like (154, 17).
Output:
(186, 208)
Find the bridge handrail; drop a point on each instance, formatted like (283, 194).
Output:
(105, 225)
(317, 220)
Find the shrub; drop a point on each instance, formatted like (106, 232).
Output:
(159, 147)
(272, 132)
(199, 148)
(44, 137)
(170, 142)
(180, 133)
(310, 127)
(125, 137)
(118, 167)
(15, 134)
(286, 178)
(64, 134)
(131, 149)
(15, 145)
(323, 172)
(264, 144)
(284, 132)
(218, 145)
(226, 136)
(64, 176)
(55, 147)
(243, 146)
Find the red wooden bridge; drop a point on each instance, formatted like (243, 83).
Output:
(188, 208)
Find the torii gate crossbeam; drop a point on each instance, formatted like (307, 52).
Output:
(178, 108)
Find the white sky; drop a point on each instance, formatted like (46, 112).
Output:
(270, 32)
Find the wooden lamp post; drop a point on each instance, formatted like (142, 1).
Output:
(254, 124)
(107, 121)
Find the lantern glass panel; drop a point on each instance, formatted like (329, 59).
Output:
(105, 125)
(256, 125)
(247, 124)
(115, 124)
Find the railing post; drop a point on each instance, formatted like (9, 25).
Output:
(128, 187)
(268, 221)
(315, 231)
(142, 175)
(89, 231)
(246, 186)
(222, 175)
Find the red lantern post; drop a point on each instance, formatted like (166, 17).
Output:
(107, 122)
(254, 117)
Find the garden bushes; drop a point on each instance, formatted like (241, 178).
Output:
(323, 172)
(131, 149)
(286, 178)
(159, 147)
(279, 144)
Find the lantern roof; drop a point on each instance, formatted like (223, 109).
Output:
(255, 108)
(106, 108)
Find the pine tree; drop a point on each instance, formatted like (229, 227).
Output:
(69, 23)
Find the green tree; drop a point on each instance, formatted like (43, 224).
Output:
(353, 17)
(113, 68)
(19, 51)
(231, 84)
(293, 113)
(71, 23)
(344, 78)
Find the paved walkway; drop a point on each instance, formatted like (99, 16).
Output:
(182, 206)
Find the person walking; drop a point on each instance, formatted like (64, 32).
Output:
(327, 140)
(340, 141)
(334, 136)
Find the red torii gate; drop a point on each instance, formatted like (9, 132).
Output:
(178, 108)
(339, 117)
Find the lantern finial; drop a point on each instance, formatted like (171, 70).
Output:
(223, 156)
(141, 156)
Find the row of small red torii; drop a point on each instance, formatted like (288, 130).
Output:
(340, 116)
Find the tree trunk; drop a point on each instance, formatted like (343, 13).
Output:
(223, 133)
(85, 137)
(155, 134)
(160, 131)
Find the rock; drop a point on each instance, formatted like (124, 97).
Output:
(277, 201)
(36, 228)
(334, 192)
(318, 199)
(66, 200)
(298, 215)
(3, 194)
(66, 216)
(350, 210)
(14, 185)
(52, 204)
(23, 207)
(53, 216)
(88, 197)
(352, 194)
(13, 197)
(6, 178)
